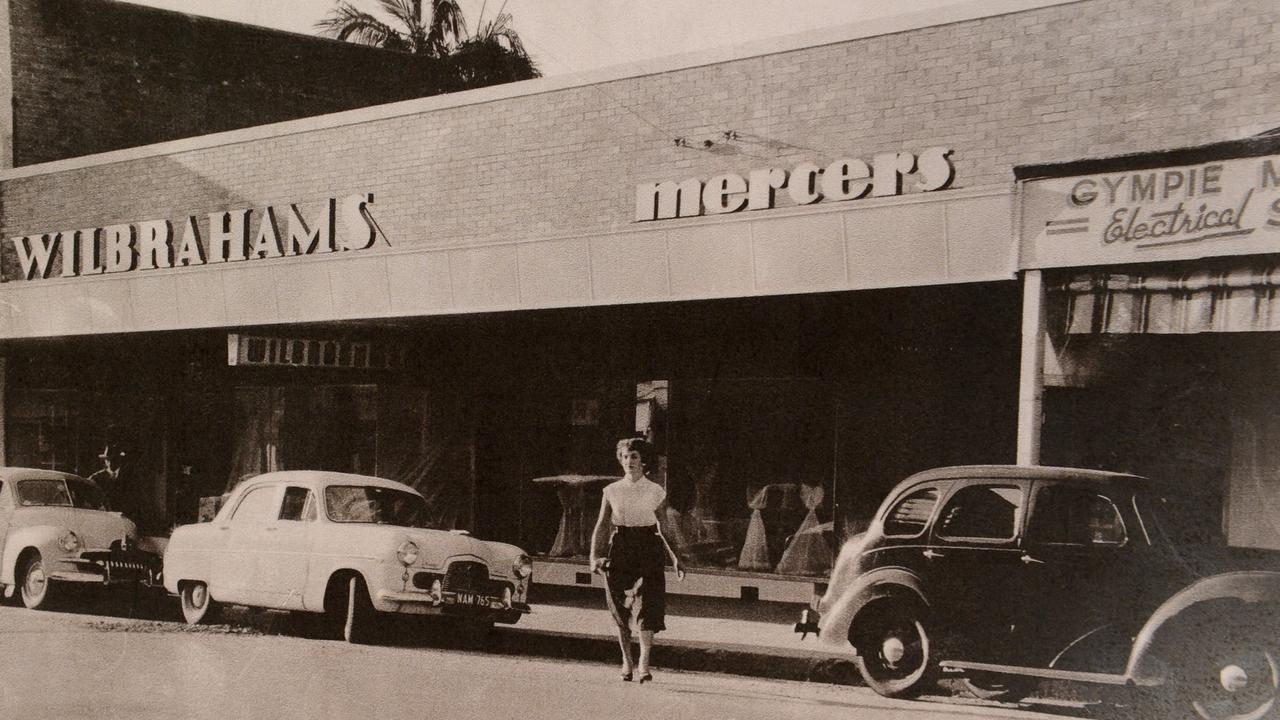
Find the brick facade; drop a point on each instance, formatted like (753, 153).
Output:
(96, 75)
(1092, 78)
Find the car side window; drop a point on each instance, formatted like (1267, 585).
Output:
(984, 512)
(5, 502)
(1075, 516)
(909, 517)
(255, 506)
(299, 504)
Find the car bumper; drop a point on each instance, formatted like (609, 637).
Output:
(449, 603)
(111, 567)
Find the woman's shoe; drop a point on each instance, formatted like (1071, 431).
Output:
(646, 677)
(626, 676)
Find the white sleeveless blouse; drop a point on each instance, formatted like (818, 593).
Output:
(634, 504)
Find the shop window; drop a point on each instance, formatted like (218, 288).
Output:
(748, 472)
(328, 427)
(981, 512)
(41, 430)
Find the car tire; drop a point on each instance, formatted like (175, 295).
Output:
(350, 613)
(1228, 681)
(37, 590)
(198, 606)
(895, 653)
(1000, 688)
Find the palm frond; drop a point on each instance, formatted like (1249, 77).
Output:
(401, 10)
(348, 23)
(500, 31)
(447, 27)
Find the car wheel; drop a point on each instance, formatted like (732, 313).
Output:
(894, 652)
(197, 606)
(1237, 683)
(1003, 688)
(351, 613)
(36, 588)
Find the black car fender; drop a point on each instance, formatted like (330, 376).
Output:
(1249, 599)
(882, 583)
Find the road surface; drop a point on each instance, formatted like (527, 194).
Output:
(76, 665)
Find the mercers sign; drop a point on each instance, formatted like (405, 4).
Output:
(806, 183)
(338, 224)
(1225, 207)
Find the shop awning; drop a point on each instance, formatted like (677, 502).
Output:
(1239, 298)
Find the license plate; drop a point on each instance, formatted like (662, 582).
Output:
(472, 599)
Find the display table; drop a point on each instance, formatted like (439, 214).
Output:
(573, 539)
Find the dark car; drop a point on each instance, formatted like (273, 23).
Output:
(1004, 576)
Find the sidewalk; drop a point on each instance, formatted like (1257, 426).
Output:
(708, 634)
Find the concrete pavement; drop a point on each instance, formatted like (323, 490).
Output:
(707, 634)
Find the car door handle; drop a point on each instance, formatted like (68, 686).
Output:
(931, 554)
(224, 527)
(271, 528)
(1027, 560)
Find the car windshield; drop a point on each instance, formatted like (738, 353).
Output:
(59, 492)
(373, 504)
(1179, 522)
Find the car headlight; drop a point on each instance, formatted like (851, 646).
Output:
(407, 552)
(70, 542)
(522, 567)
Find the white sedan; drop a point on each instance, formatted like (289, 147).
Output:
(347, 546)
(56, 530)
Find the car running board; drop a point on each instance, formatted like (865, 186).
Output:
(1043, 673)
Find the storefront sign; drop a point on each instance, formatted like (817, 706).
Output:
(264, 351)
(1227, 207)
(805, 184)
(338, 224)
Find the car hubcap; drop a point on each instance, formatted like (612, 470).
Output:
(1244, 689)
(893, 650)
(1233, 678)
(35, 581)
(199, 595)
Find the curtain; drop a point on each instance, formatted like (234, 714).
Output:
(425, 440)
(408, 434)
(1235, 298)
(258, 414)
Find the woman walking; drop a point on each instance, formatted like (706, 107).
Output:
(637, 554)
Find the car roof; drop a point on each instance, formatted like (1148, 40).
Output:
(1030, 472)
(321, 478)
(13, 474)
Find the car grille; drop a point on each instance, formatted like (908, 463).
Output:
(467, 576)
(115, 565)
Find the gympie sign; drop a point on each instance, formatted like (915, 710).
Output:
(805, 184)
(1218, 208)
(336, 225)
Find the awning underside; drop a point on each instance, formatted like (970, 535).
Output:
(1243, 298)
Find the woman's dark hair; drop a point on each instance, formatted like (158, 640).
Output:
(641, 446)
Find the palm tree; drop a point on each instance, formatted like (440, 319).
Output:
(494, 54)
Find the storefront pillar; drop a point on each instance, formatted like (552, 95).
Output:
(4, 412)
(1031, 371)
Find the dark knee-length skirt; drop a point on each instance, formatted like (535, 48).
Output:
(637, 586)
